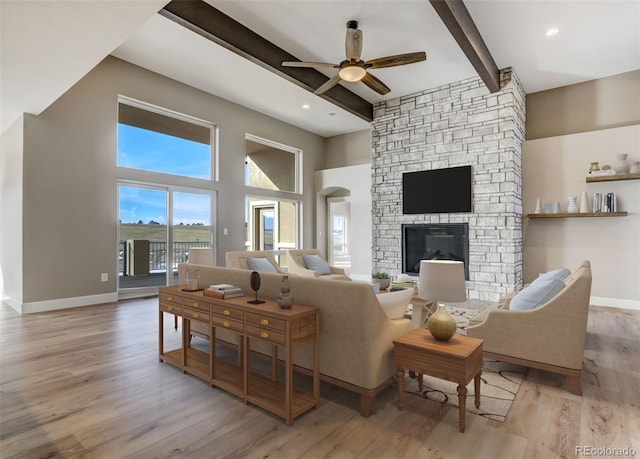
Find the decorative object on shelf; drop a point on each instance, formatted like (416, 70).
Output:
(572, 206)
(606, 167)
(594, 167)
(556, 208)
(255, 286)
(635, 168)
(442, 280)
(192, 279)
(382, 279)
(285, 300)
(621, 166)
(547, 208)
(538, 207)
(584, 203)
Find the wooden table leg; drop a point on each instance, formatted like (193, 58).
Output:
(462, 403)
(420, 383)
(476, 383)
(400, 375)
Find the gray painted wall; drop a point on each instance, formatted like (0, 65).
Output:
(70, 177)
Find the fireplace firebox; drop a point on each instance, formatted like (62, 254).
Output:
(434, 242)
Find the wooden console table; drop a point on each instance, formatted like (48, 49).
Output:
(288, 328)
(457, 360)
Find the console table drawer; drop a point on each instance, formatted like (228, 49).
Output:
(226, 312)
(266, 334)
(170, 298)
(171, 307)
(265, 321)
(196, 304)
(196, 314)
(228, 323)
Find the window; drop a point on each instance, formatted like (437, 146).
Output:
(157, 140)
(271, 166)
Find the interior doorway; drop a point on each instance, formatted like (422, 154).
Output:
(339, 231)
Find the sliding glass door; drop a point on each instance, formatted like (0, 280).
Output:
(158, 227)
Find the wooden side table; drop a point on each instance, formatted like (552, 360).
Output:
(458, 360)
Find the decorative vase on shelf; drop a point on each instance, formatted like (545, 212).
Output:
(572, 206)
(594, 167)
(621, 166)
(285, 300)
(584, 203)
(538, 207)
(635, 168)
(441, 325)
(556, 208)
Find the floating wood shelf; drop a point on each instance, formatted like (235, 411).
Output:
(613, 178)
(579, 214)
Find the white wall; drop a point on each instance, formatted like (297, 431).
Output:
(356, 179)
(11, 186)
(553, 169)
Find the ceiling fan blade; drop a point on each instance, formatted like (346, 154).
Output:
(308, 64)
(328, 84)
(398, 59)
(353, 44)
(375, 84)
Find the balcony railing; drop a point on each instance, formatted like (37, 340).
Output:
(158, 255)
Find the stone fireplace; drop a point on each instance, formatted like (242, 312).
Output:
(453, 125)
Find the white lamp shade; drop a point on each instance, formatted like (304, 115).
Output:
(442, 280)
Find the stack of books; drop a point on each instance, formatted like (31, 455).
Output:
(224, 291)
(601, 173)
(605, 202)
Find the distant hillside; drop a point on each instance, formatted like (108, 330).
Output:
(186, 233)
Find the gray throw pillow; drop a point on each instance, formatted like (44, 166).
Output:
(541, 290)
(317, 264)
(261, 265)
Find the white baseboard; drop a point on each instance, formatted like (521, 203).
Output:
(614, 303)
(63, 303)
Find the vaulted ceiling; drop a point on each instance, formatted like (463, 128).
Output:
(47, 46)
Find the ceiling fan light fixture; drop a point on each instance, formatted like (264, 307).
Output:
(352, 73)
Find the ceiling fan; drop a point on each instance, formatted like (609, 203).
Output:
(353, 68)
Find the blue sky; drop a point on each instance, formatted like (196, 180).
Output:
(149, 150)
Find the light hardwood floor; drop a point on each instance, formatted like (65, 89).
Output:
(86, 382)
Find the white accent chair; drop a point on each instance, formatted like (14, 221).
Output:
(296, 265)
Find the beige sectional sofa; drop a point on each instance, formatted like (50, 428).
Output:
(356, 335)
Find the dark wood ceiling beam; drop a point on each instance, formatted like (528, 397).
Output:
(216, 26)
(456, 17)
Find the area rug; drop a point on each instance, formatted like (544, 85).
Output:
(499, 381)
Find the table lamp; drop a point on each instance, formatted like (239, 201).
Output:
(442, 280)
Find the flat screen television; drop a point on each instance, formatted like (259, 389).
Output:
(437, 191)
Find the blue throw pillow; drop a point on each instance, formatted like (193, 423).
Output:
(317, 264)
(541, 290)
(261, 265)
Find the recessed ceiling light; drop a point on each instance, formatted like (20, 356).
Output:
(552, 32)
(306, 106)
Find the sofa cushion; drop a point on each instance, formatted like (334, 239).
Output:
(541, 290)
(317, 264)
(261, 265)
(395, 303)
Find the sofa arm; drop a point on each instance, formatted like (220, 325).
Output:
(335, 270)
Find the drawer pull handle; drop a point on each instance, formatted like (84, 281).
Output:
(264, 334)
(196, 315)
(170, 308)
(264, 321)
(169, 298)
(226, 324)
(226, 312)
(195, 305)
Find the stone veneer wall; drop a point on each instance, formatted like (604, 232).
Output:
(454, 125)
